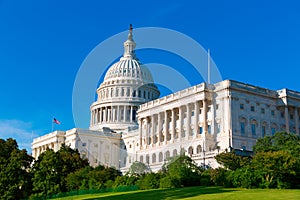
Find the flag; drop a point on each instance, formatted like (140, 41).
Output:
(56, 121)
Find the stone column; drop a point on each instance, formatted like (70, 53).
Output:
(204, 115)
(113, 108)
(188, 121)
(153, 129)
(196, 126)
(286, 115)
(95, 112)
(173, 131)
(108, 114)
(118, 114)
(180, 123)
(99, 115)
(297, 120)
(159, 127)
(166, 127)
(140, 131)
(147, 132)
(105, 114)
(125, 113)
(92, 122)
(131, 113)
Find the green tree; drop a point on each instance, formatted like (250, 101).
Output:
(15, 179)
(280, 155)
(138, 168)
(51, 169)
(231, 161)
(149, 181)
(280, 141)
(277, 169)
(183, 171)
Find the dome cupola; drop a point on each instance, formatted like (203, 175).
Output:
(127, 84)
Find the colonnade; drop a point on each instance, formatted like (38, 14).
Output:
(174, 124)
(109, 114)
(36, 152)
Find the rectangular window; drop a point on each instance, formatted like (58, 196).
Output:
(217, 106)
(263, 131)
(252, 108)
(282, 115)
(291, 116)
(273, 130)
(193, 113)
(272, 112)
(209, 129)
(242, 106)
(253, 129)
(242, 128)
(200, 129)
(218, 128)
(263, 111)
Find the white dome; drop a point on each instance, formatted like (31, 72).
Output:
(128, 69)
(127, 84)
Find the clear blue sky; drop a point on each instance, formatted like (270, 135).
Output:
(43, 43)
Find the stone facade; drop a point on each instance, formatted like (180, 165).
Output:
(129, 123)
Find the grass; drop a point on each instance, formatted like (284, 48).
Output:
(192, 193)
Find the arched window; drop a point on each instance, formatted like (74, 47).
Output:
(167, 155)
(141, 159)
(174, 152)
(264, 126)
(160, 157)
(243, 126)
(199, 149)
(253, 127)
(274, 128)
(147, 159)
(190, 150)
(154, 158)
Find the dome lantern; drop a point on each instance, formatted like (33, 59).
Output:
(129, 45)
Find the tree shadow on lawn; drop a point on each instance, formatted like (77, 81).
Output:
(177, 193)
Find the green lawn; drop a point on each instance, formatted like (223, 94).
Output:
(191, 193)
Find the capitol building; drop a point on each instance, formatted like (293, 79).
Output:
(129, 122)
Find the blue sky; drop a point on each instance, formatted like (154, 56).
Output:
(43, 44)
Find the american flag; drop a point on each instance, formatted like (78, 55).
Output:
(56, 121)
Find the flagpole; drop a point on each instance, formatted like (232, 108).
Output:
(208, 66)
(52, 124)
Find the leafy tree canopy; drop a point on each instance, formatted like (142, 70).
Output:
(280, 141)
(138, 168)
(15, 179)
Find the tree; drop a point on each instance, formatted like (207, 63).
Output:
(149, 181)
(231, 161)
(280, 155)
(138, 168)
(183, 171)
(51, 169)
(280, 141)
(277, 169)
(15, 179)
